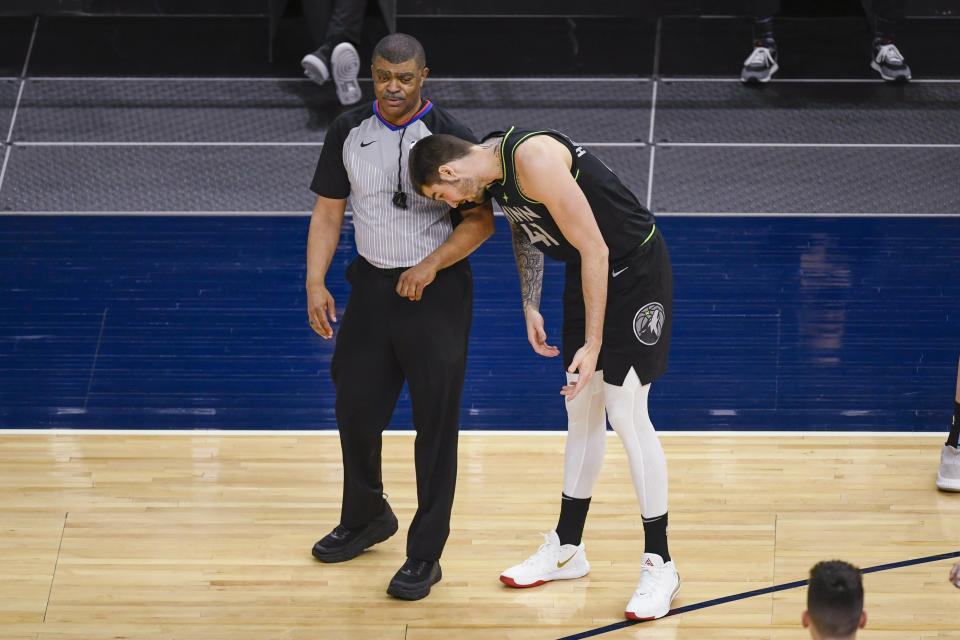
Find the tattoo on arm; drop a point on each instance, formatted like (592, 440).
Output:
(530, 268)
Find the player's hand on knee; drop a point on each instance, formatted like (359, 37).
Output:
(321, 310)
(584, 364)
(536, 334)
(414, 280)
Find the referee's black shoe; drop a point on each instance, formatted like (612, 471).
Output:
(345, 543)
(414, 579)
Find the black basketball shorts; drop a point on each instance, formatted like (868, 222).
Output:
(639, 313)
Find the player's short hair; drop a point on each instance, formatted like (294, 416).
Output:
(835, 598)
(431, 152)
(397, 48)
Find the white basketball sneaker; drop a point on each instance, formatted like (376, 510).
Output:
(315, 68)
(346, 65)
(552, 561)
(658, 586)
(948, 475)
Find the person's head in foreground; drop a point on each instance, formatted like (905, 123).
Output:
(834, 601)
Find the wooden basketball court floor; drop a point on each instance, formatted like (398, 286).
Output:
(207, 535)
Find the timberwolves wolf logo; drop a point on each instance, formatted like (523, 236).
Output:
(648, 323)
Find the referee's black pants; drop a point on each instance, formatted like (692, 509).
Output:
(383, 340)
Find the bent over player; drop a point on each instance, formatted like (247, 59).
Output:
(562, 201)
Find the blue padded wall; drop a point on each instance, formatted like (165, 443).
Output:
(200, 322)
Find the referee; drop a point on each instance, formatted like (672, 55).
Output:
(408, 315)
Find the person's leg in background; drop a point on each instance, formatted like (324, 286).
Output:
(948, 475)
(886, 59)
(316, 13)
(761, 64)
(336, 27)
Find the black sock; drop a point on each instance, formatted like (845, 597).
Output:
(655, 536)
(955, 427)
(763, 31)
(573, 515)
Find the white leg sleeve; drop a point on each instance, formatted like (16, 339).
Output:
(586, 438)
(627, 412)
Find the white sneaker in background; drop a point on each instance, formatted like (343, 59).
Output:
(889, 63)
(315, 68)
(346, 65)
(760, 65)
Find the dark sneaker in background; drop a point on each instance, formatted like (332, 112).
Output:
(888, 62)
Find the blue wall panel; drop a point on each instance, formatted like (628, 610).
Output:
(183, 322)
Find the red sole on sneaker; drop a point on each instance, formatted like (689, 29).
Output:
(633, 616)
(510, 582)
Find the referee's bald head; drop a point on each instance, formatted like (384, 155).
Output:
(397, 48)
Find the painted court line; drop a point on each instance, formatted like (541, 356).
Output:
(799, 214)
(755, 592)
(808, 80)
(3, 166)
(870, 435)
(433, 79)
(16, 108)
(653, 153)
(23, 75)
(815, 145)
(151, 143)
(227, 143)
(173, 214)
(349, 214)
(653, 112)
(641, 78)
(319, 143)
(33, 38)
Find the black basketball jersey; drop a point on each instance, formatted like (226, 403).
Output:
(624, 223)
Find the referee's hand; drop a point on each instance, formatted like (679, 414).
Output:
(414, 280)
(321, 310)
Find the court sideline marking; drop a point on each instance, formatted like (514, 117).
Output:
(756, 592)
(463, 432)
(13, 116)
(349, 214)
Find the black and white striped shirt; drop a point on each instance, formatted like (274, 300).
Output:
(361, 158)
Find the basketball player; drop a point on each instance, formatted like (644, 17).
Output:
(834, 601)
(948, 475)
(408, 315)
(562, 201)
